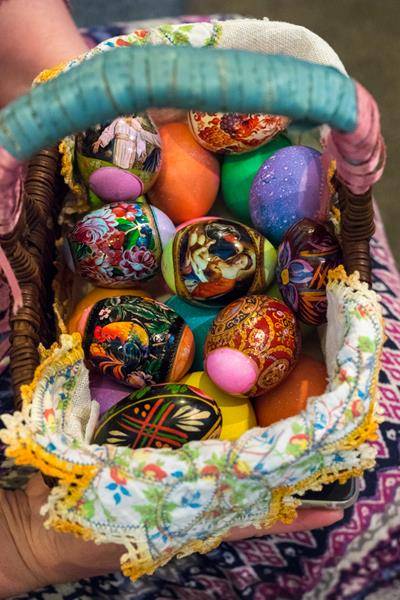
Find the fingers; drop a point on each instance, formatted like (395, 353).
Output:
(307, 519)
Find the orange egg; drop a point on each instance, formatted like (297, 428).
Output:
(308, 378)
(82, 309)
(188, 182)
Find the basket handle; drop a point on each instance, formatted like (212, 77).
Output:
(132, 79)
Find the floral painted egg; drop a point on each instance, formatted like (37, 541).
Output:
(189, 176)
(213, 261)
(160, 416)
(85, 305)
(308, 251)
(237, 411)
(234, 133)
(138, 341)
(120, 244)
(120, 159)
(289, 186)
(252, 345)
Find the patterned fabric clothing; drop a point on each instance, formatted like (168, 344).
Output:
(357, 559)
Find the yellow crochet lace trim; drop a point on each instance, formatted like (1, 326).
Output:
(48, 74)
(74, 479)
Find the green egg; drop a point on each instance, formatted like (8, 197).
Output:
(167, 266)
(270, 261)
(238, 172)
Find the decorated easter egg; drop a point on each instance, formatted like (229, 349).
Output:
(234, 133)
(199, 319)
(238, 172)
(288, 187)
(213, 261)
(120, 244)
(138, 341)
(106, 391)
(78, 318)
(274, 292)
(188, 182)
(120, 159)
(252, 345)
(308, 378)
(308, 251)
(160, 416)
(237, 411)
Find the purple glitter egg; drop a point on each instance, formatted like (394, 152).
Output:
(288, 187)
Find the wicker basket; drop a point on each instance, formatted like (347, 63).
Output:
(163, 77)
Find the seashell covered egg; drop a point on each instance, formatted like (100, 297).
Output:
(290, 185)
(120, 244)
(252, 345)
(138, 341)
(213, 261)
(307, 253)
(167, 415)
(234, 133)
(118, 160)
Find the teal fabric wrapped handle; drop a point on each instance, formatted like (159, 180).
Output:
(132, 79)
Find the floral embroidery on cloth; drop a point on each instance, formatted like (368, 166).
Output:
(180, 501)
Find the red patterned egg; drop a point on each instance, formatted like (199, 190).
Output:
(120, 244)
(160, 416)
(136, 340)
(307, 253)
(212, 261)
(252, 345)
(234, 133)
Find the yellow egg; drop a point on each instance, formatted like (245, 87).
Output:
(237, 411)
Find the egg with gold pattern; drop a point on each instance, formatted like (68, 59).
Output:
(252, 345)
(167, 415)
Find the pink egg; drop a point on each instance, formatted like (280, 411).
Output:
(252, 345)
(112, 184)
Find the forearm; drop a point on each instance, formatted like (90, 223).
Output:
(34, 35)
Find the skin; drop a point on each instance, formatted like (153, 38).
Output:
(33, 556)
(36, 35)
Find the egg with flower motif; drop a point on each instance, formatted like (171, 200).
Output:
(120, 244)
(290, 185)
(211, 261)
(136, 340)
(118, 160)
(252, 345)
(85, 305)
(234, 133)
(160, 416)
(308, 251)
